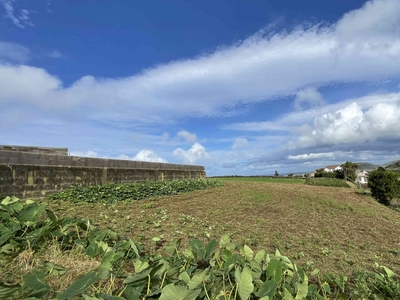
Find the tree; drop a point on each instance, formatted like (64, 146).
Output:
(290, 175)
(384, 184)
(276, 174)
(350, 170)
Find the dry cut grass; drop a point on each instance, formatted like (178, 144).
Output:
(330, 228)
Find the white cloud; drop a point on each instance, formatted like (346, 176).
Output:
(195, 153)
(11, 52)
(309, 95)
(89, 153)
(312, 156)
(352, 125)
(289, 121)
(187, 136)
(20, 20)
(263, 66)
(148, 155)
(240, 142)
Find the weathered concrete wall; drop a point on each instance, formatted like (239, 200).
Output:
(37, 171)
(42, 159)
(34, 149)
(30, 181)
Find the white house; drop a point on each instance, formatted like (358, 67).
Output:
(362, 177)
(332, 168)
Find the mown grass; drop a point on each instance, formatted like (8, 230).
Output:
(264, 179)
(329, 228)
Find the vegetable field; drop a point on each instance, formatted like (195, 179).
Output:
(240, 240)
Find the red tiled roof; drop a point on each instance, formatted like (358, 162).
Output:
(332, 167)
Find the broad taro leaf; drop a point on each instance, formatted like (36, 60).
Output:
(244, 282)
(34, 284)
(210, 248)
(140, 265)
(246, 252)
(172, 247)
(198, 248)
(9, 200)
(198, 279)
(5, 235)
(30, 213)
(8, 291)
(260, 256)
(79, 286)
(268, 288)
(178, 292)
(274, 270)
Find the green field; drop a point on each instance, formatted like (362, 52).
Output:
(330, 229)
(264, 179)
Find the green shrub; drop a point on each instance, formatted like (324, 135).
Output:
(384, 185)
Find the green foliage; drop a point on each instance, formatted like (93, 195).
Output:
(384, 185)
(325, 174)
(111, 193)
(349, 170)
(204, 271)
(327, 182)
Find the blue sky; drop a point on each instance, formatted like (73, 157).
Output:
(242, 87)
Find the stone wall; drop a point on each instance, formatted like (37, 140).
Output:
(23, 158)
(33, 175)
(35, 149)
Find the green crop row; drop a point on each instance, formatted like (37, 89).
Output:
(214, 270)
(111, 193)
(327, 182)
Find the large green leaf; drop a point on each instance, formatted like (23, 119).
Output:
(211, 246)
(267, 289)
(274, 270)
(302, 290)
(6, 234)
(244, 282)
(140, 265)
(198, 279)
(246, 252)
(9, 291)
(287, 294)
(79, 286)
(9, 200)
(34, 284)
(260, 256)
(172, 247)
(224, 241)
(30, 213)
(198, 248)
(178, 292)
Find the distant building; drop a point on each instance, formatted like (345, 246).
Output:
(362, 177)
(332, 168)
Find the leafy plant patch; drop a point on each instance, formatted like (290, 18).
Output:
(111, 193)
